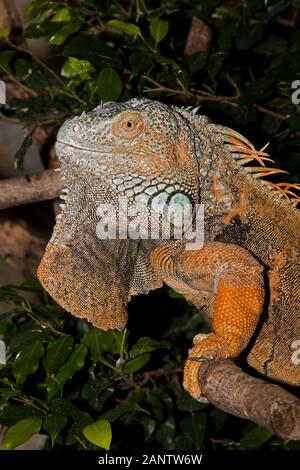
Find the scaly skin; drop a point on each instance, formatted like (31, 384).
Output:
(244, 278)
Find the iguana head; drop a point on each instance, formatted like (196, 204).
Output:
(140, 149)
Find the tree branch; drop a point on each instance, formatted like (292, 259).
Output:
(226, 386)
(39, 187)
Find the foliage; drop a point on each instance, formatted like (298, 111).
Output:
(84, 387)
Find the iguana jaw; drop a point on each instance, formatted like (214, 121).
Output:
(80, 156)
(83, 157)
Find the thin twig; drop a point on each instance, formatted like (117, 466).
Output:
(26, 88)
(198, 96)
(269, 112)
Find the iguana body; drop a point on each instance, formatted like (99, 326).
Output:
(245, 278)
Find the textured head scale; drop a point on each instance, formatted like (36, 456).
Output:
(141, 149)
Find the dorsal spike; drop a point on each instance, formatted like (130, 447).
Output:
(244, 152)
(265, 171)
(194, 111)
(285, 189)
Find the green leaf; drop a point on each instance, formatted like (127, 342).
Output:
(53, 387)
(53, 425)
(11, 414)
(139, 61)
(143, 345)
(38, 6)
(93, 341)
(64, 407)
(173, 294)
(156, 406)
(98, 341)
(149, 425)
(27, 334)
(273, 46)
(292, 445)
(83, 68)
(128, 406)
(27, 361)
(255, 437)
(227, 35)
(247, 36)
(111, 341)
(60, 36)
(22, 152)
(183, 442)
(270, 125)
(159, 29)
(146, 344)
(5, 59)
(293, 122)
(21, 432)
(133, 365)
(73, 364)
(166, 433)
(57, 352)
(99, 433)
(220, 418)
(40, 30)
(96, 393)
(139, 353)
(127, 28)
(194, 427)
(214, 63)
(96, 51)
(109, 85)
(62, 15)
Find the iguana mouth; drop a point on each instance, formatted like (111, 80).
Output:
(107, 150)
(64, 144)
(69, 154)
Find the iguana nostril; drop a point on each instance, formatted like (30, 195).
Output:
(76, 128)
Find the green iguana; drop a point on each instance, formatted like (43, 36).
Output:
(245, 278)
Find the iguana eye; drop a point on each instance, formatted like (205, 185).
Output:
(127, 125)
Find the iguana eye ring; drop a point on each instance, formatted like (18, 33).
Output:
(127, 125)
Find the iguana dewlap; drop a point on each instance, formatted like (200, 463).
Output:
(245, 278)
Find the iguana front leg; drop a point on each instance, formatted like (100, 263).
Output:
(234, 276)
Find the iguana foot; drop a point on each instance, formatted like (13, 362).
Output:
(207, 347)
(192, 369)
(191, 373)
